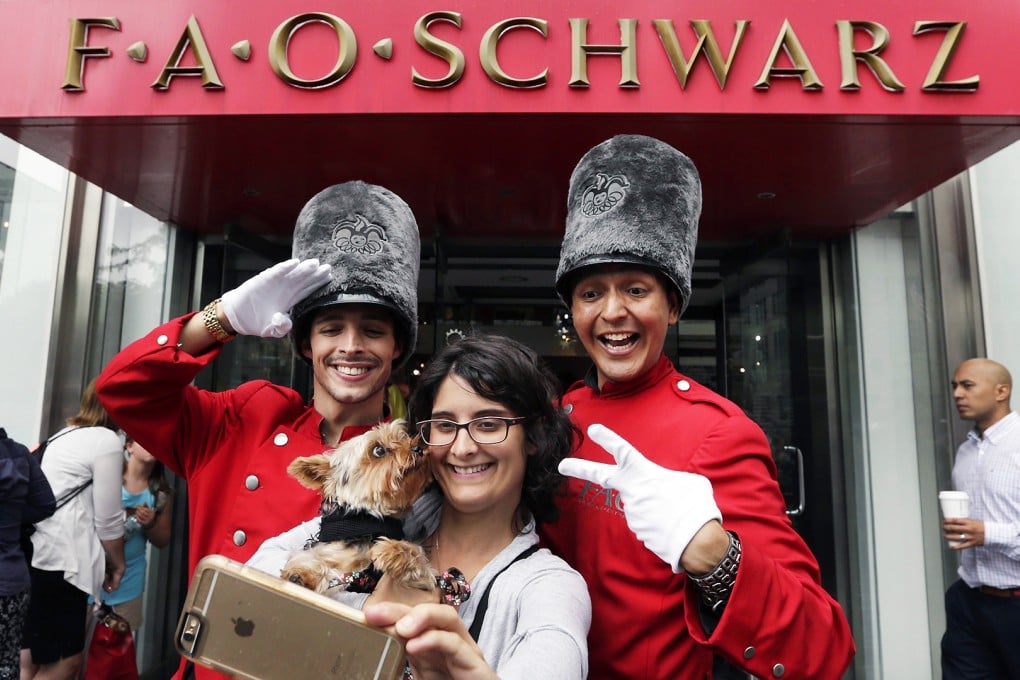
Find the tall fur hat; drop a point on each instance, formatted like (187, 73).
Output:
(370, 236)
(632, 200)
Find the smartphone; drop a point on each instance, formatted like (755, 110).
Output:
(245, 623)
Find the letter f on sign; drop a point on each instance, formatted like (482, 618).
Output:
(78, 50)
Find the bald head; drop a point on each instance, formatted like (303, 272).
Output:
(992, 370)
(981, 390)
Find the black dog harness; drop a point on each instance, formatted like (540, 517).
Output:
(340, 523)
(343, 524)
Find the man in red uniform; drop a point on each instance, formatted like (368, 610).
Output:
(673, 516)
(348, 300)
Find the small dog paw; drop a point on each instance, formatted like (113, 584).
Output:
(295, 577)
(404, 562)
(306, 569)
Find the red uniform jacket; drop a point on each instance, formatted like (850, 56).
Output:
(232, 447)
(645, 620)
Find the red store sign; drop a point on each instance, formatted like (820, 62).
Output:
(121, 58)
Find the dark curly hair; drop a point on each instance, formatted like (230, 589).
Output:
(505, 371)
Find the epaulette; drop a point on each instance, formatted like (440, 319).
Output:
(693, 391)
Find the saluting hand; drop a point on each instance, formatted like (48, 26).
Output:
(261, 305)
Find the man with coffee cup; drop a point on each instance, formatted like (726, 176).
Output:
(983, 607)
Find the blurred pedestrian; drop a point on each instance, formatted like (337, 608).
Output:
(148, 506)
(983, 606)
(25, 498)
(79, 550)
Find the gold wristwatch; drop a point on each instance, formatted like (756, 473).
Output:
(212, 323)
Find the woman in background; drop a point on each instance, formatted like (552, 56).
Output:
(79, 551)
(147, 509)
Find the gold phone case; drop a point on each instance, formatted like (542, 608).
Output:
(246, 623)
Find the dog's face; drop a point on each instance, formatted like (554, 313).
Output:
(381, 472)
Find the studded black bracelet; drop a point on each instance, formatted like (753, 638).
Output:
(715, 586)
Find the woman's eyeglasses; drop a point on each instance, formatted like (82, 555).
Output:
(484, 430)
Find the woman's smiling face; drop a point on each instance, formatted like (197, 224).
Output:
(477, 478)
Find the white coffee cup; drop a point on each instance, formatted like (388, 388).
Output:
(954, 504)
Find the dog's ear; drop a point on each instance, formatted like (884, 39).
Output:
(311, 471)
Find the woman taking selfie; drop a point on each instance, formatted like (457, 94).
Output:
(485, 409)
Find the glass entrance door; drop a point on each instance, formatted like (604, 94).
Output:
(756, 333)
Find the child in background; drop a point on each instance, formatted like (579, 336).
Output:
(147, 512)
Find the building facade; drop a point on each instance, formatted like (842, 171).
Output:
(855, 245)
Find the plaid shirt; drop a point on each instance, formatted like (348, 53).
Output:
(988, 469)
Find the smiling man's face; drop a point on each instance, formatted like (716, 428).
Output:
(621, 316)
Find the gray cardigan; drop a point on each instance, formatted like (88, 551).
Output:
(539, 612)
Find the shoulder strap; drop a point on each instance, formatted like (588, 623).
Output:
(41, 449)
(66, 498)
(483, 604)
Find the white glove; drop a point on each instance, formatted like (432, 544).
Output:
(260, 305)
(664, 508)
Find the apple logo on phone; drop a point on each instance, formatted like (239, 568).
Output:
(243, 626)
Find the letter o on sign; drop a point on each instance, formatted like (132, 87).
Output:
(282, 35)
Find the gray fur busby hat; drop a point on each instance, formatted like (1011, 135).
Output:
(370, 237)
(632, 200)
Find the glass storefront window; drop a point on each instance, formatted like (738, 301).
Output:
(131, 279)
(33, 193)
(893, 393)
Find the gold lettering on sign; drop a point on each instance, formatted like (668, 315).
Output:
(848, 56)
(78, 50)
(490, 41)
(449, 53)
(204, 68)
(706, 44)
(788, 42)
(580, 49)
(280, 62)
(934, 82)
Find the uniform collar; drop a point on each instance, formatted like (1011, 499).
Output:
(612, 390)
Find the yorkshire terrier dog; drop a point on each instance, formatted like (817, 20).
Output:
(368, 484)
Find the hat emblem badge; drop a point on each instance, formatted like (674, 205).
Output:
(358, 235)
(604, 194)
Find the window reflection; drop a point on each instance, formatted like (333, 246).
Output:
(33, 191)
(6, 193)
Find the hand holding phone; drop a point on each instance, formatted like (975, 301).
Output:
(438, 644)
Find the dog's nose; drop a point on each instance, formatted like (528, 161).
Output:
(417, 450)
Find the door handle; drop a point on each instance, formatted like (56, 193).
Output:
(799, 458)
